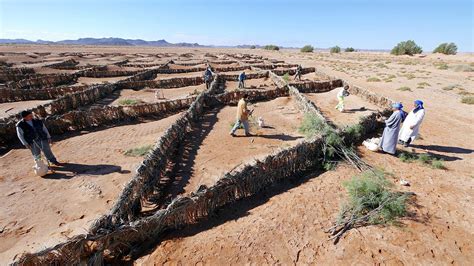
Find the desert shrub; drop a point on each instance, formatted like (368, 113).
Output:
(410, 76)
(253, 47)
(307, 49)
(349, 49)
(441, 65)
(437, 164)
(373, 79)
(404, 88)
(463, 68)
(138, 151)
(286, 77)
(424, 159)
(446, 48)
(271, 47)
(450, 87)
(311, 125)
(335, 50)
(371, 200)
(129, 102)
(467, 99)
(354, 132)
(406, 48)
(424, 84)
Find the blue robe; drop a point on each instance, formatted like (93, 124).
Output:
(388, 142)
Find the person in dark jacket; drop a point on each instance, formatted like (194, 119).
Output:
(208, 74)
(299, 69)
(242, 78)
(34, 135)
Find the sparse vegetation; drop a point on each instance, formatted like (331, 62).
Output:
(373, 79)
(446, 48)
(130, 102)
(311, 125)
(371, 201)
(441, 65)
(424, 159)
(335, 50)
(450, 87)
(467, 99)
(406, 48)
(463, 68)
(138, 151)
(286, 77)
(349, 50)
(307, 49)
(271, 47)
(422, 85)
(404, 88)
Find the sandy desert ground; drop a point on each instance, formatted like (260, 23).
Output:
(285, 224)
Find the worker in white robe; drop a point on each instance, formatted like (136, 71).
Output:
(412, 123)
(388, 142)
(343, 93)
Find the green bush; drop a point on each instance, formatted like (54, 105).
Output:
(446, 48)
(404, 88)
(371, 193)
(349, 49)
(139, 151)
(286, 77)
(129, 102)
(437, 164)
(335, 50)
(467, 99)
(373, 79)
(307, 49)
(424, 159)
(312, 125)
(271, 47)
(406, 48)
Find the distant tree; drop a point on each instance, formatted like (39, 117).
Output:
(446, 48)
(253, 47)
(335, 50)
(349, 49)
(307, 49)
(271, 47)
(409, 48)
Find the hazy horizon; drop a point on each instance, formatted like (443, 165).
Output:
(361, 24)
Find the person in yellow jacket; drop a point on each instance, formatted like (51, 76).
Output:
(243, 114)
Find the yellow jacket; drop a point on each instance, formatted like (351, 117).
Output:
(242, 111)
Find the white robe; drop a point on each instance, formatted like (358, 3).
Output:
(413, 119)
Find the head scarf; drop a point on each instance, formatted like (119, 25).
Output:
(399, 106)
(419, 106)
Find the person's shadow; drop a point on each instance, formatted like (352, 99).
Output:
(70, 170)
(446, 149)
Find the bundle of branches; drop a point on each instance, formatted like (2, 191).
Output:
(371, 201)
(336, 145)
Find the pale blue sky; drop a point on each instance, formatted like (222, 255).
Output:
(376, 24)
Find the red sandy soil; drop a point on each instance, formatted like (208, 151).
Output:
(183, 92)
(148, 95)
(40, 212)
(179, 75)
(89, 81)
(288, 228)
(263, 83)
(209, 157)
(284, 225)
(355, 107)
(11, 108)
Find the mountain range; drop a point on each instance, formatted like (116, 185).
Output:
(104, 41)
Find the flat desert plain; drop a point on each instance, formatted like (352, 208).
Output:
(284, 224)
